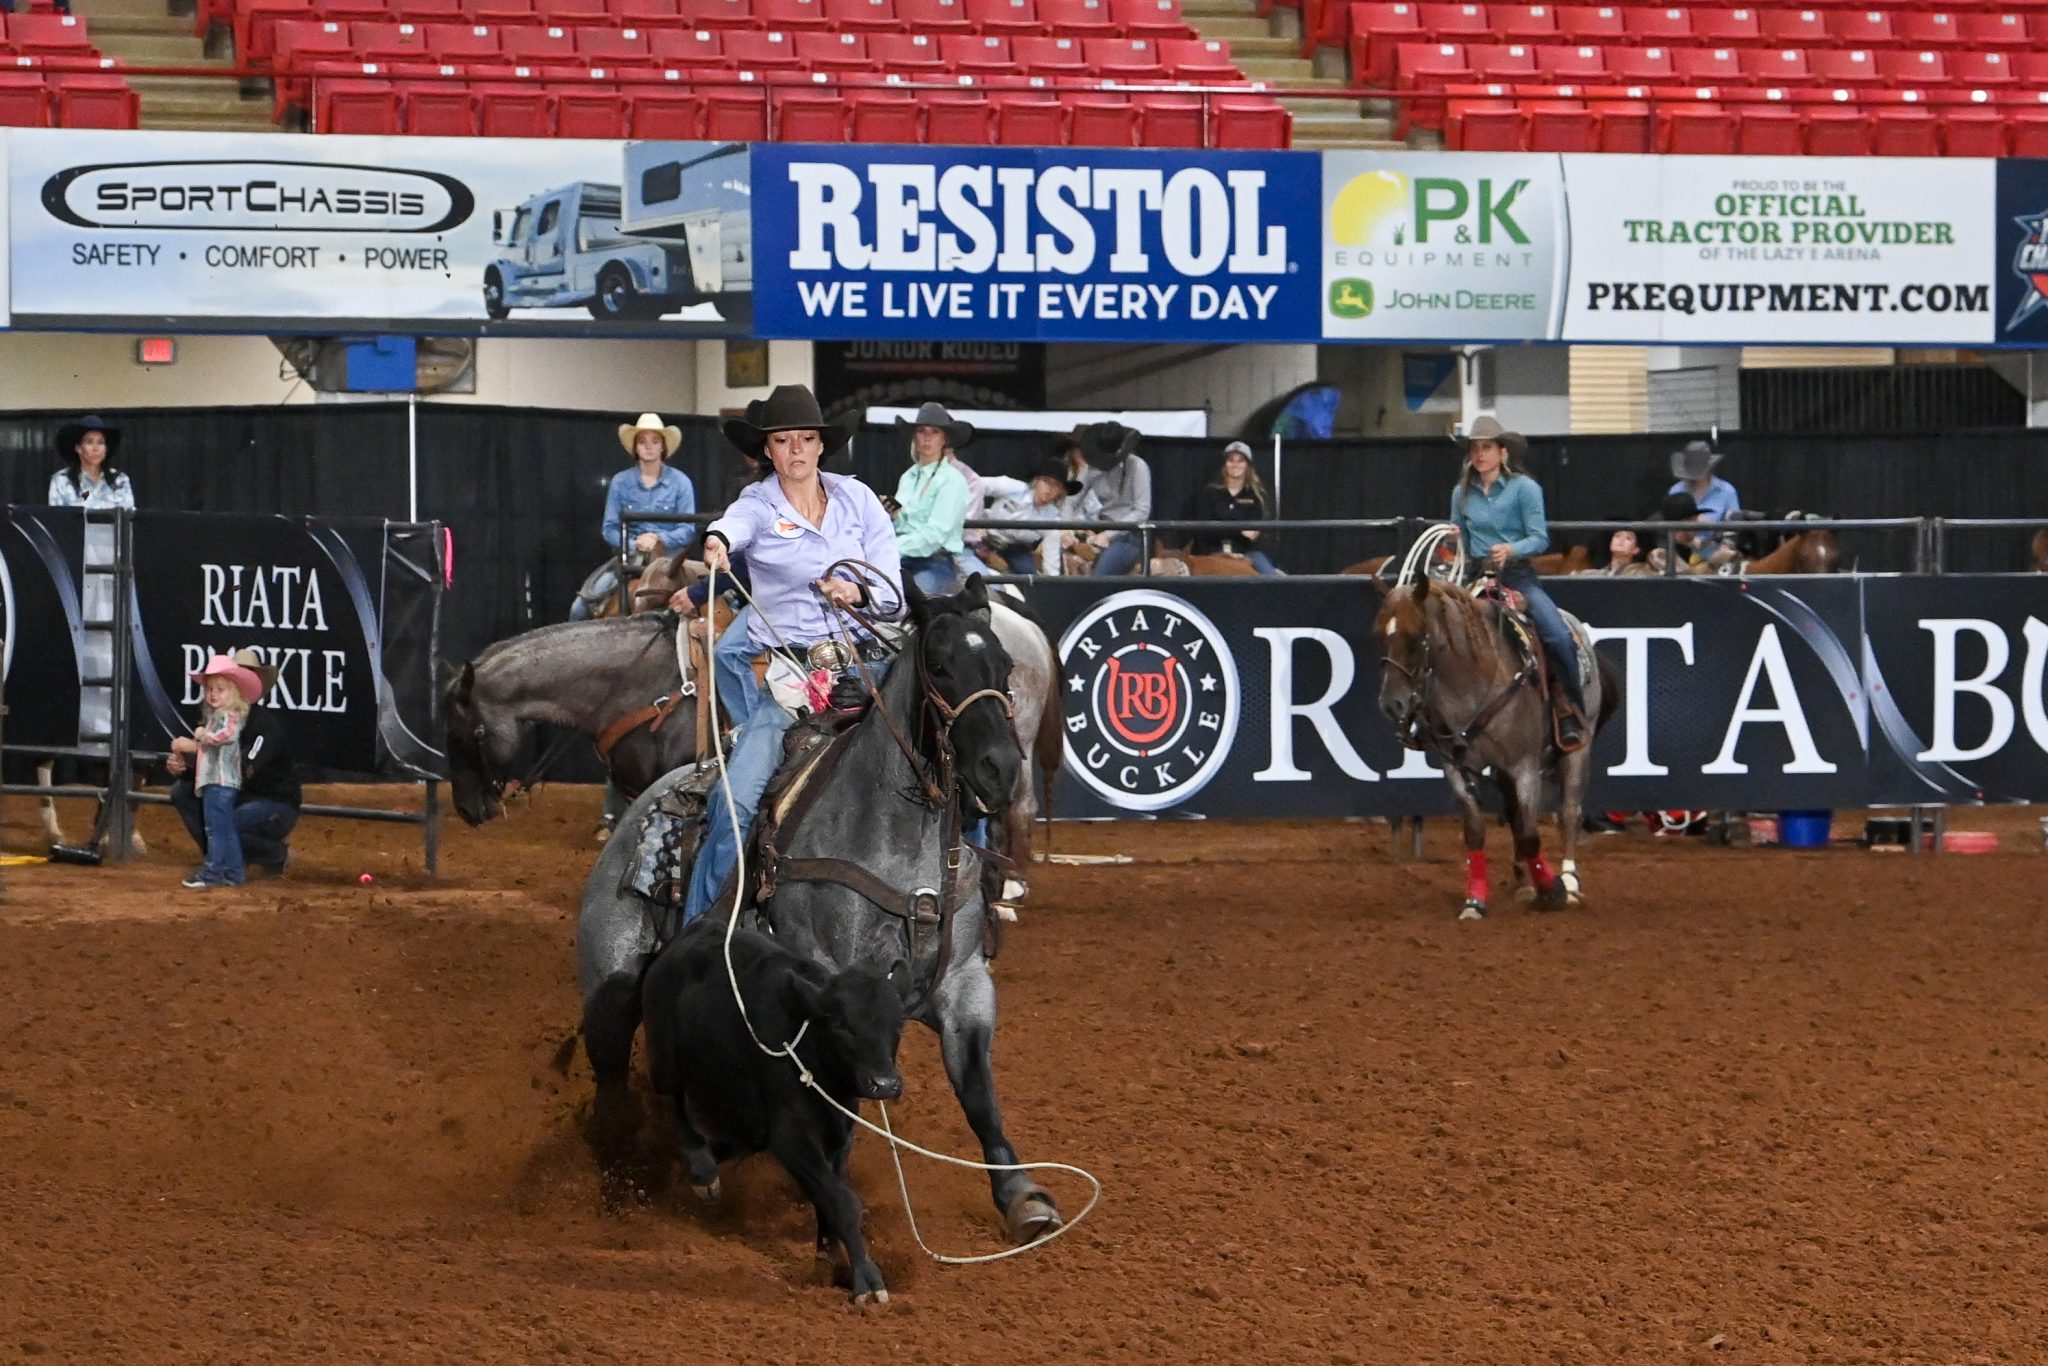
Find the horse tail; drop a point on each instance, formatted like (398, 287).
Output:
(1050, 751)
(1610, 690)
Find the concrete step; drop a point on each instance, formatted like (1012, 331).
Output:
(138, 25)
(95, 10)
(186, 124)
(1198, 11)
(192, 88)
(1338, 140)
(1277, 70)
(151, 50)
(1267, 46)
(204, 106)
(1235, 30)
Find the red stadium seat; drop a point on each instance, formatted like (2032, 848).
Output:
(1005, 16)
(1624, 126)
(1029, 120)
(820, 51)
(908, 54)
(1197, 59)
(1249, 123)
(1768, 130)
(2029, 131)
(1525, 23)
(882, 116)
(1701, 129)
(1980, 68)
(1591, 24)
(389, 42)
(862, 16)
(1488, 125)
(568, 14)
(534, 45)
(1774, 65)
(50, 35)
(668, 111)
(809, 116)
(1430, 65)
(1170, 120)
(1501, 62)
(439, 109)
(1919, 28)
(717, 14)
(24, 103)
(1837, 131)
(1042, 56)
(687, 47)
(1562, 126)
(255, 26)
(1706, 65)
(515, 108)
(788, 15)
(1572, 63)
(1973, 132)
(958, 119)
(1844, 66)
(501, 12)
(430, 11)
(587, 104)
(1905, 132)
(1158, 20)
(614, 46)
(1714, 27)
(978, 54)
(1924, 67)
(1860, 27)
(2031, 67)
(1376, 31)
(759, 50)
(1456, 23)
(1644, 64)
(935, 16)
(1668, 27)
(1122, 59)
(1101, 120)
(1790, 26)
(1077, 18)
(462, 42)
(355, 106)
(1998, 30)
(648, 14)
(301, 42)
(735, 113)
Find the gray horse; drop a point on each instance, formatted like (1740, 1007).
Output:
(1456, 685)
(874, 812)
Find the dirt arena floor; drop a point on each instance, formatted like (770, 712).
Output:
(1747, 1105)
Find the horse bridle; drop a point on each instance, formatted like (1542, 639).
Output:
(1422, 733)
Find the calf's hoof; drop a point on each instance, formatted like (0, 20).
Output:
(1472, 910)
(1031, 1216)
(871, 1297)
(1014, 889)
(710, 1193)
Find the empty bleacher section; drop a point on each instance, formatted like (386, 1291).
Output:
(1823, 79)
(51, 74)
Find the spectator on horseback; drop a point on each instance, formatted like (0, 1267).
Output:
(89, 478)
(1236, 494)
(651, 485)
(932, 499)
(1121, 485)
(793, 526)
(266, 804)
(1038, 499)
(1498, 511)
(1714, 497)
(1624, 556)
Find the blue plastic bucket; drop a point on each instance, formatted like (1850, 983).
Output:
(1805, 829)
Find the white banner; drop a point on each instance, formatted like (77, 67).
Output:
(1442, 245)
(249, 233)
(1781, 250)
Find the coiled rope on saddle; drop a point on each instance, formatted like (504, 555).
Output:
(1421, 554)
(788, 1050)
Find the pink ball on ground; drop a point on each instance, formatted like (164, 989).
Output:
(365, 879)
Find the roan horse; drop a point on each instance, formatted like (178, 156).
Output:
(936, 746)
(1456, 685)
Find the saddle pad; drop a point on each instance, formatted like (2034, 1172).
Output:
(805, 746)
(1584, 641)
(668, 839)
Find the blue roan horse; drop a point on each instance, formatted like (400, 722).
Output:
(870, 875)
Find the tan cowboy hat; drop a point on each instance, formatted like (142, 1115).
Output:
(252, 660)
(934, 414)
(671, 435)
(245, 680)
(1489, 429)
(790, 408)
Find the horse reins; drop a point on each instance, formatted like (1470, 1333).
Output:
(1436, 735)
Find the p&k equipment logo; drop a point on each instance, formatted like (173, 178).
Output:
(1149, 692)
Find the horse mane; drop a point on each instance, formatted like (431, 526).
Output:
(1464, 625)
(553, 629)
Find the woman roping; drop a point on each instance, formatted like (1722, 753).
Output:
(793, 525)
(1498, 511)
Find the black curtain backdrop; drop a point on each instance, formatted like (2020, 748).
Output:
(523, 489)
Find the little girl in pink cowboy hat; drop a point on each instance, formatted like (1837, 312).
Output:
(229, 689)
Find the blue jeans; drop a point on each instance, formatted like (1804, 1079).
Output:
(223, 840)
(261, 824)
(756, 754)
(1022, 559)
(969, 564)
(1261, 563)
(734, 662)
(936, 574)
(1549, 622)
(1120, 556)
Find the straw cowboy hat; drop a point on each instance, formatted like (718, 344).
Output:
(934, 414)
(71, 433)
(671, 435)
(790, 408)
(245, 680)
(1104, 445)
(252, 660)
(1489, 429)
(1696, 461)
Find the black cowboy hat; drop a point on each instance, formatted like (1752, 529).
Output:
(1489, 429)
(71, 433)
(934, 414)
(1104, 445)
(1678, 507)
(1056, 470)
(790, 408)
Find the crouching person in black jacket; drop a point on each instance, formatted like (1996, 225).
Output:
(267, 804)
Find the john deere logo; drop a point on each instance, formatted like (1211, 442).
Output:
(1149, 698)
(1350, 298)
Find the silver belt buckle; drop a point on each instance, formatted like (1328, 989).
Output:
(830, 655)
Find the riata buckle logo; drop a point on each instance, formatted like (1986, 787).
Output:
(1150, 697)
(2030, 263)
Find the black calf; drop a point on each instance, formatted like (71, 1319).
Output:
(743, 1101)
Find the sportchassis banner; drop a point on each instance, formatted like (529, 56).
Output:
(347, 612)
(1230, 698)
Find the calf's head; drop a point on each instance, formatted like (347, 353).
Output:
(857, 1019)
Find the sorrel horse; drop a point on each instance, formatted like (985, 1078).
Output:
(1458, 685)
(651, 588)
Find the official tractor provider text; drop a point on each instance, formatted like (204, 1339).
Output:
(1026, 219)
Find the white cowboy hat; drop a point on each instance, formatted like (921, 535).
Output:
(671, 436)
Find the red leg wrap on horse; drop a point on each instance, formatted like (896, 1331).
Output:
(1540, 874)
(1475, 874)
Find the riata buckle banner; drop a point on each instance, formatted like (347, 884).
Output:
(1054, 244)
(1232, 699)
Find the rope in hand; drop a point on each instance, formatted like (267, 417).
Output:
(788, 1050)
(1417, 561)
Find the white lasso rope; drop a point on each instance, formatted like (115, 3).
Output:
(788, 1050)
(1423, 552)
